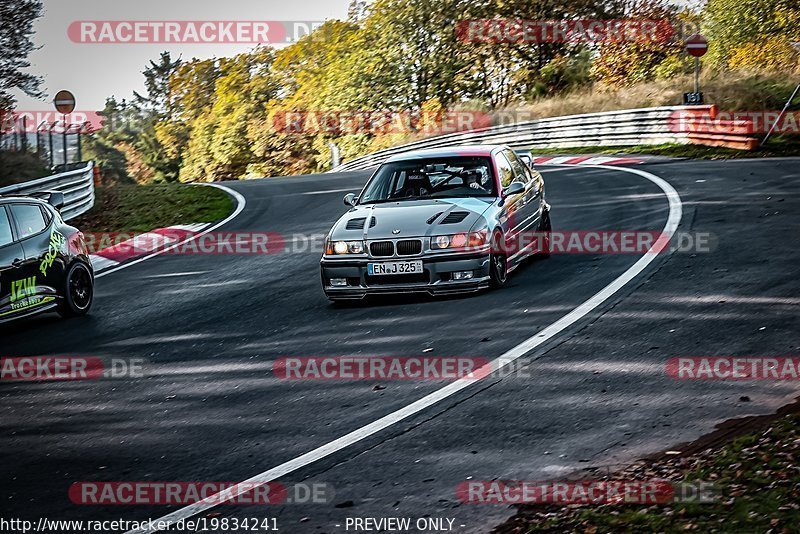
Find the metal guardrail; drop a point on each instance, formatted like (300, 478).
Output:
(645, 126)
(77, 186)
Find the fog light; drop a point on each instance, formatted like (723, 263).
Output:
(462, 275)
(338, 282)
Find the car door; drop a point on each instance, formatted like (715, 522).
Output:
(529, 210)
(511, 214)
(43, 247)
(11, 264)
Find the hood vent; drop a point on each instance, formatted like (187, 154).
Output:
(358, 224)
(430, 221)
(455, 217)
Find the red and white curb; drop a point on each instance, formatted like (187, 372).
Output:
(585, 160)
(142, 245)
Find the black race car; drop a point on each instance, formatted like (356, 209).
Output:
(44, 263)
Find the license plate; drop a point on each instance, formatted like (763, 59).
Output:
(394, 267)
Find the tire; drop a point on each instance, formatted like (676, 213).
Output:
(78, 291)
(545, 227)
(498, 262)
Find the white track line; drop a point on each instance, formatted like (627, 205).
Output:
(240, 204)
(675, 214)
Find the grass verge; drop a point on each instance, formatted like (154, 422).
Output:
(782, 146)
(730, 90)
(141, 208)
(756, 474)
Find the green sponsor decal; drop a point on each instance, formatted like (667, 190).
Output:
(21, 289)
(57, 241)
(26, 304)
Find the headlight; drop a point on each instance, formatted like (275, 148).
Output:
(459, 241)
(334, 248)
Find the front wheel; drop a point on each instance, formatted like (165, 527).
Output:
(78, 291)
(498, 262)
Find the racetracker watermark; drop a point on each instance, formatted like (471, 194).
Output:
(45, 368)
(381, 368)
(378, 122)
(522, 31)
(104, 526)
(190, 31)
(612, 242)
(401, 368)
(734, 122)
(183, 493)
(32, 121)
(646, 492)
(734, 368)
(178, 241)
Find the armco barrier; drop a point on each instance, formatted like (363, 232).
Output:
(645, 126)
(703, 127)
(77, 186)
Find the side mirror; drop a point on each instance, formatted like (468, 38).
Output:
(515, 188)
(55, 199)
(350, 199)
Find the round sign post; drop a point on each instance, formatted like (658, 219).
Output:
(696, 46)
(65, 104)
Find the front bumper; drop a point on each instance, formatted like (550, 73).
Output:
(436, 278)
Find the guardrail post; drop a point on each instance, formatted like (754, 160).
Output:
(64, 140)
(50, 140)
(24, 138)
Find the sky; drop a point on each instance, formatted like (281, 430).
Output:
(93, 72)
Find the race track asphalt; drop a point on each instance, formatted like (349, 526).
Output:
(210, 326)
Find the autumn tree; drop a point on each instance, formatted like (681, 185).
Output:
(756, 34)
(218, 146)
(625, 62)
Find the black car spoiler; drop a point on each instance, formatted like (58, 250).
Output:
(54, 198)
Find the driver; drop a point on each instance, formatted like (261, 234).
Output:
(476, 179)
(418, 184)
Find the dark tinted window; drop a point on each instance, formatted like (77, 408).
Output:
(5, 228)
(435, 177)
(29, 219)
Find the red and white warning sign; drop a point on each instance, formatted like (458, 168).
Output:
(65, 102)
(696, 45)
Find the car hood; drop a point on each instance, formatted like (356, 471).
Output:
(410, 218)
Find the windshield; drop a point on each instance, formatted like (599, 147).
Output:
(445, 177)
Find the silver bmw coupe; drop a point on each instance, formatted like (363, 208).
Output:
(441, 221)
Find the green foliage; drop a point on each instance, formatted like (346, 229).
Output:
(218, 146)
(564, 73)
(673, 66)
(622, 63)
(752, 34)
(16, 167)
(129, 147)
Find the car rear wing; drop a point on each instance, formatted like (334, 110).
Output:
(54, 198)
